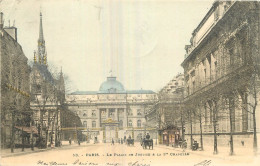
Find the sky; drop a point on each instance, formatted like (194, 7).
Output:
(141, 42)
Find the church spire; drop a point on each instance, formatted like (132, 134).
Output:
(41, 44)
(41, 38)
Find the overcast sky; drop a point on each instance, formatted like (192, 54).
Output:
(141, 41)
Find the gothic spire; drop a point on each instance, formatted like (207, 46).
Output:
(41, 29)
(41, 44)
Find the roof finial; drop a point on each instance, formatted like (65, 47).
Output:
(111, 73)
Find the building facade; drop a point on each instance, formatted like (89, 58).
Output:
(165, 113)
(47, 96)
(221, 71)
(112, 112)
(15, 93)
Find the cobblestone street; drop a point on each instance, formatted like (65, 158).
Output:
(121, 154)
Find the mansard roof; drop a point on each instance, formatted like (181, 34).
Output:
(127, 92)
(84, 93)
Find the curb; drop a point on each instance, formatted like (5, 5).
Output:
(199, 154)
(39, 150)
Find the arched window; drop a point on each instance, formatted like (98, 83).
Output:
(120, 123)
(138, 123)
(130, 124)
(93, 123)
(85, 123)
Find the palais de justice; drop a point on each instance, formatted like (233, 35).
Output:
(112, 111)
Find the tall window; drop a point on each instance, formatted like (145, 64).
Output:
(93, 123)
(130, 112)
(120, 123)
(130, 124)
(85, 123)
(93, 112)
(139, 123)
(85, 113)
(103, 113)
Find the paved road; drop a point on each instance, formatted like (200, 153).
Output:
(116, 155)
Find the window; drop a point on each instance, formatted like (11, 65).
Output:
(139, 123)
(121, 112)
(111, 113)
(38, 88)
(130, 124)
(130, 112)
(85, 113)
(139, 112)
(93, 123)
(93, 112)
(85, 123)
(103, 112)
(120, 123)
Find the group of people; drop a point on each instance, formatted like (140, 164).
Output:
(120, 141)
(70, 141)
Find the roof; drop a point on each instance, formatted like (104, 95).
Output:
(140, 92)
(111, 85)
(84, 93)
(128, 92)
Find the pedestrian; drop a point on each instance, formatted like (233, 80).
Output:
(70, 141)
(121, 140)
(79, 142)
(112, 141)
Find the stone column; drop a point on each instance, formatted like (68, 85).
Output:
(125, 118)
(107, 111)
(116, 114)
(99, 118)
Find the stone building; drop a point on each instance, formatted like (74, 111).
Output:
(112, 112)
(15, 93)
(164, 116)
(47, 96)
(220, 69)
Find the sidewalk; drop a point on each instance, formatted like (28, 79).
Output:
(240, 153)
(18, 151)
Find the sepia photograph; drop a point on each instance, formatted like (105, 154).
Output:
(130, 82)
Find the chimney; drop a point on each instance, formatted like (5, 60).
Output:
(1, 20)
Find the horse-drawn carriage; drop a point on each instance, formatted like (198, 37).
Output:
(147, 142)
(130, 141)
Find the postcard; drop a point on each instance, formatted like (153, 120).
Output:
(129, 82)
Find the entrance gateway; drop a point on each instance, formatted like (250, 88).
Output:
(110, 130)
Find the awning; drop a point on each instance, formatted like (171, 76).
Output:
(28, 129)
